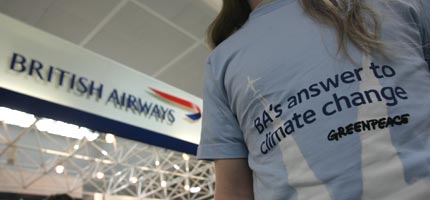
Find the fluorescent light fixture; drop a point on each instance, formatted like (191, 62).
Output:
(76, 147)
(110, 138)
(185, 156)
(195, 189)
(100, 175)
(133, 179)
(163, 184)
(59, 169)
(25, 120)
(65, 129)
(157, 162)
(90, 135)
(104, 152)
(176, 167)
(16, 118)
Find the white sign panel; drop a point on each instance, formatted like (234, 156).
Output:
(40, 65)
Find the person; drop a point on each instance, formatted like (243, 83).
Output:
(319, 99)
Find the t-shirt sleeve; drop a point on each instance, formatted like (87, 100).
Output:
(221, 136)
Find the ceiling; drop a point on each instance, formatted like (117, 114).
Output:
(161, 38)
(33, 162)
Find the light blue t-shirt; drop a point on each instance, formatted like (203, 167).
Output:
(313, 124)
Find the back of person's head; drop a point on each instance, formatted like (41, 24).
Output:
(352, 19)
(60, 197)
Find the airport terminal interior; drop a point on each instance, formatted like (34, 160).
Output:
(42, 153)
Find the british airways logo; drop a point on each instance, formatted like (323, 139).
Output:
(196, 115)
(93, 90)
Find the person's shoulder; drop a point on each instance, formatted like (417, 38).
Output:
(234, 43)
(399, 6)
(399, 14)
(227, 50)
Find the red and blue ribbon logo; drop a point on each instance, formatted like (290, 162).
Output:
(181, 102)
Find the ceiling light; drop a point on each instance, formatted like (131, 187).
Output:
(104, 152)
(195, 189)
(133, 179)
(109, 138)
(89, 135)
(163, 184)
(65, 129)
(100, 175)
(176, 167)
(76, 147)
(16, 118)
(157, 163)
(25, 120)
(187, 187)
(59, 169)
(185, 156)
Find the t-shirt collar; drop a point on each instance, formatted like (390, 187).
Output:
(267, 6)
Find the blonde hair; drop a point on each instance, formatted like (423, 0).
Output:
(352, 19)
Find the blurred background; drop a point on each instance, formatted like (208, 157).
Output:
(164, 39)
